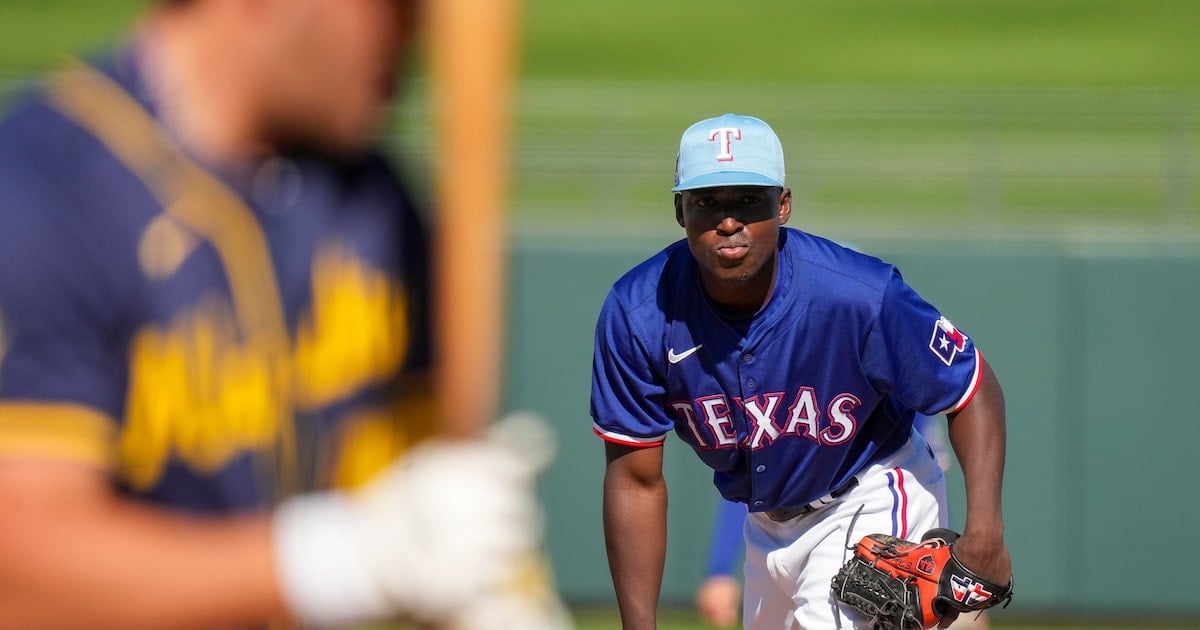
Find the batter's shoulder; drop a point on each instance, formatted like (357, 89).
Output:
(34, 135)
(66, 202)
(40, 154)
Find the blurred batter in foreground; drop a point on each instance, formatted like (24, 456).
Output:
(214, 308)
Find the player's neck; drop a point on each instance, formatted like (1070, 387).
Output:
(742, 298)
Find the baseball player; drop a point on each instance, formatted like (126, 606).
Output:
(215, 309)
(793, 367)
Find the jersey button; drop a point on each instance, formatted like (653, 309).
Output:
(747, 358)
(758, 503)
(751, 384)
(760, 468)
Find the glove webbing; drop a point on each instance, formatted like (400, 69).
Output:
(897, 598)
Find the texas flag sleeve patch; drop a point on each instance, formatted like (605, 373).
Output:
(947, 341)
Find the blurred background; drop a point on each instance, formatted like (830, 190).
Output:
(1030, 165)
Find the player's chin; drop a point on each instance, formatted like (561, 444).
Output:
(735, 272)
(332, 138)
(734, 277)
(356, 134)
(341, 143)
(354, 127)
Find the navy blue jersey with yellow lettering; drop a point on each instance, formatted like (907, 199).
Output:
(789, 404)
(212, 338)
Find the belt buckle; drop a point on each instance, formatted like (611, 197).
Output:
(787, 514)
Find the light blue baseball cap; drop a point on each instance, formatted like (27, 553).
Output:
(729, 150)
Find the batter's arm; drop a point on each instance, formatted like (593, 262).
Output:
(635, 530)
(977, 433)
(77, 555)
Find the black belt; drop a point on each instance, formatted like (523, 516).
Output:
(787, 514)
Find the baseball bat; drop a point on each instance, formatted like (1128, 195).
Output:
(472, 58)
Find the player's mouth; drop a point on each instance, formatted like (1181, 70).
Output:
(732, 251)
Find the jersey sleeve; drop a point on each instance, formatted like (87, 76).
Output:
(62, 375)
(916, 354)
(627, 396)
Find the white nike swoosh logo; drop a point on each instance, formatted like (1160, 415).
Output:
(676, 358)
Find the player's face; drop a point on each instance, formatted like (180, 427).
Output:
(733, 232)
(338, 70)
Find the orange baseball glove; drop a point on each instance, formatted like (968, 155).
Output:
(902, 585)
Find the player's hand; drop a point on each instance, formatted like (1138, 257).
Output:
(719, 599)
(445, 525)
(986, 555)
(438, 530)
(526, 596)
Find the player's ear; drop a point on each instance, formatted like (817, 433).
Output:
(785, 205)
(679, 209)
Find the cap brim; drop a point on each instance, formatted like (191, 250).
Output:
(726, 178)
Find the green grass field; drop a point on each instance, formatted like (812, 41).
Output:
(899, 117)
(880, 42)
(682, 620)
(1095, 43)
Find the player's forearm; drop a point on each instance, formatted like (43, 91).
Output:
(635, 532)
(119, 565)
(978, 436)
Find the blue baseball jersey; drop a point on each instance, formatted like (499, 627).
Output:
(211, 338)
(789, 404)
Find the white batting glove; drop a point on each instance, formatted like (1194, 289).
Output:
(438, 529)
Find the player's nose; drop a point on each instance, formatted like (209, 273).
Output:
(730, 224)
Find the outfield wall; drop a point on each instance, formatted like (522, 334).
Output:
(1093, 342)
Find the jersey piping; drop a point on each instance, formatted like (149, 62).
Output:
(972, 387)
(57, 430)
(627, 440)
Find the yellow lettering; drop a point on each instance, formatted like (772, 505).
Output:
(197, 393)
(356, 334)
(203, 392)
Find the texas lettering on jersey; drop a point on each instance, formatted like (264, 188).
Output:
(711, 424)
